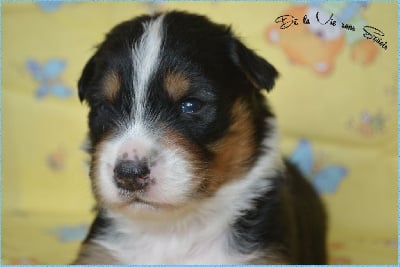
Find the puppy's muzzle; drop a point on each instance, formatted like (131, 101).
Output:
(132, 175)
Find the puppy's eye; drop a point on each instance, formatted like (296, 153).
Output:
(191, 106)
(99, 107)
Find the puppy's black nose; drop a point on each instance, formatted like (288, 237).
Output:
(132, 175)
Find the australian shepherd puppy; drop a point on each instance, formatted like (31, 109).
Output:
(185, 160)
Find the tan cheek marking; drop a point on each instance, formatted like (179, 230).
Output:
(176, 84)
(112, 85)
(234, 151)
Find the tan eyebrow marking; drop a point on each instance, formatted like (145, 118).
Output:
(112, 85)
(176, 84)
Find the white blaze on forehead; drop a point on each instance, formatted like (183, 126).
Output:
(145, 59)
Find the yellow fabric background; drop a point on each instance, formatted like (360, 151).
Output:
(38, 198)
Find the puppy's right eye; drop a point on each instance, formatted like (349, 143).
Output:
(99, 109)
(191, 106)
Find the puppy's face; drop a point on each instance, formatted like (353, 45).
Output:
(175, 111)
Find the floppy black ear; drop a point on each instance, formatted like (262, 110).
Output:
(259, 71)
(86, 78)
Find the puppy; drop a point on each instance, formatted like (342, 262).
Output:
(185, 161)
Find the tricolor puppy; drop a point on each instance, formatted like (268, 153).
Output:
(185, 161)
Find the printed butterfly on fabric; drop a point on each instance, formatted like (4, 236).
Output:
(49, 6)
(48, 76)
(56, 159)
(325, 179)
(70, 233)
(368, 124)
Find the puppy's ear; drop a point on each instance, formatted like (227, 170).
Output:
(86, 78)
(259, 71)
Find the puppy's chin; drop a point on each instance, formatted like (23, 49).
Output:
(140, 206)
(150, 212)
(139, 203)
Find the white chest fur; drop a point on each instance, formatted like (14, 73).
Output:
(197, 244)
(169, 250)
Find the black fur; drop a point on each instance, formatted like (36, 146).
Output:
(289, 218)
(99, 225)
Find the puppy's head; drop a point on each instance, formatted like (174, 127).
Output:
(176, 111)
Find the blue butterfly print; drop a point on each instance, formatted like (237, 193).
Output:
(48, 77)
(70, 233)
(326, 179)
(49, 6)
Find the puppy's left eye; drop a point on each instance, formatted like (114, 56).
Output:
(191, 106)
